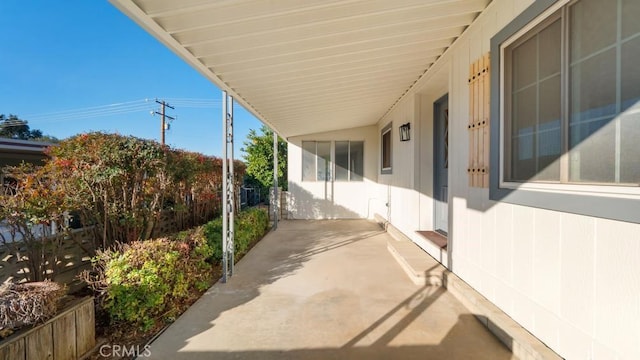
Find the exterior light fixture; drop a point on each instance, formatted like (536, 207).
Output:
(405, 132)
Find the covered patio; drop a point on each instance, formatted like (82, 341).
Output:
(419, 113)
(326, 290)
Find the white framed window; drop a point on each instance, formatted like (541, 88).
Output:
(565, 108)
(349, 160)
(386, 149)
(571, 97)
(316, 161)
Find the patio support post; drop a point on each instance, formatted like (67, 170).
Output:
(275, 180)
(228, 198)
(231, 196)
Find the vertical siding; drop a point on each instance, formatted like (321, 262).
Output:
(577, 271)
(571, 280)
(404, 207)
(617, 286)
(424, 138)
(547, 260)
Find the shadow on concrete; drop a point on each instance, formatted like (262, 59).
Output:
(418, 302)
(262, 332)
(457, 344)
(322, 249)
(277, 256)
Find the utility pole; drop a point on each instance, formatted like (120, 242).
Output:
(163, 115)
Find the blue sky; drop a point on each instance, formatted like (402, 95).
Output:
(63, 62)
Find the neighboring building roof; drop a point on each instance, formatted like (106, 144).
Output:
(23, 145)
(13, 151)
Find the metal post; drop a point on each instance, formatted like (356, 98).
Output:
(228, 185)
(224, 186)
(231, 196)
(275, 180)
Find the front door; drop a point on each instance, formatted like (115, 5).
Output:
(441, 165)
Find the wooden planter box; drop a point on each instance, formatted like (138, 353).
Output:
(67, 336)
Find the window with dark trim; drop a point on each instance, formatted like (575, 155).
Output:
(386, 149)
(572, 97)
(565, 108)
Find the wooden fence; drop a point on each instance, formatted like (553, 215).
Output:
(78, 249)
(67, 336)
(75, 255)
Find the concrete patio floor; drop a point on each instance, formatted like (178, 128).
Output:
(325, 290)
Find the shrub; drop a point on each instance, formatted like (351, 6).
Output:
(117, 186)
(250, 225)
(146, 281)
(28, 303)
(116, 182)
(120, 184)
(213, 233)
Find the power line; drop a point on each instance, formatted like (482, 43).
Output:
(195, 99)
(91, 114)
(195, 103)
(115, 109)
(87, 108)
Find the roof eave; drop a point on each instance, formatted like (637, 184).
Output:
(143, 20)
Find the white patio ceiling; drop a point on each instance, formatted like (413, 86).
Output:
(307, 66)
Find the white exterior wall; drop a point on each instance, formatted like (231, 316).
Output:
(339, 199)
(571, 280)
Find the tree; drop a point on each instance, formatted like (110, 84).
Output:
(15, 128)
(259, 159)
(48, 139)
(35, 214)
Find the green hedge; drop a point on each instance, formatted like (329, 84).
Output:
(250, 225)
(148, 281)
